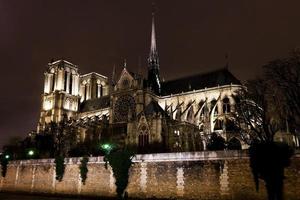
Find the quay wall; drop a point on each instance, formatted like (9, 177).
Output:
(187, 175)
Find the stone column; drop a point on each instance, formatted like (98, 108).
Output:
(88, 91)
(73, 84)
(47, 84)
(76, 84)
(33, 177)
(224, 183)
(53, 178)
(180, 181)
(82, 91)
(68, 83)
(79, 184)
(143, 177)
(55, 79)
(112, 186)
(17, 174)
(1, 183)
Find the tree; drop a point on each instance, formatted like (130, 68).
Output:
(284, 76)
(262, 109)
(257, 112)
(120, 161)
(216, 142)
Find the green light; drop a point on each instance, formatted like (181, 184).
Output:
(31, 153)
(7, 156)
(106, 146)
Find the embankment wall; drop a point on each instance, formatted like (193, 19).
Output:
(189, 175)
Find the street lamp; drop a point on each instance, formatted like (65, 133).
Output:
(107, 147)
(30, 153)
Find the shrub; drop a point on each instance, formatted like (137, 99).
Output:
(59, 167)
(83, 169)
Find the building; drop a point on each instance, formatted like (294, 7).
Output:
(175, 115)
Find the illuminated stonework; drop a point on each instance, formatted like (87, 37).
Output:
(176, 115)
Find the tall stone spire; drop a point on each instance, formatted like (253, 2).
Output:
(153, 56)
(153, 62)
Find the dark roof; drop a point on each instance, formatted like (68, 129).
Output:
(95, 104)
(152, 108)
(211, 79)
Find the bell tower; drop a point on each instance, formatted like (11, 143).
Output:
(61, 93)
(153, 63)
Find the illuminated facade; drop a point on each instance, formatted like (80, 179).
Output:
(177, 115)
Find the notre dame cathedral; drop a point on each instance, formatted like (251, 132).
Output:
(175, 115)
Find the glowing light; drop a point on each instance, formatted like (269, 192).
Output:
(7, 156)
(107, 147)
(31, 153)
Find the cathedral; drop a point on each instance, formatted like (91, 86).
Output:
(145, 112)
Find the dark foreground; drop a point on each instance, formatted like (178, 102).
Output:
(11, 196)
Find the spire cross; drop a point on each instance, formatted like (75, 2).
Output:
(125, 63)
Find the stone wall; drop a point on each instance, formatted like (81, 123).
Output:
(193, 175)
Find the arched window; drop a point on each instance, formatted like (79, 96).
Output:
(178, 114)
(85, 92)
(234, 144)
(212, 105)
(143, 137)
(226, 105)
(190, 115)
(218, 124)
(70, 83)
(143, 140)
(65, 81)
(53, 82)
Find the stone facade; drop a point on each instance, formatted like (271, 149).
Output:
(176, 115)
(197, 175)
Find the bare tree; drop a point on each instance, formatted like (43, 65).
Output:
(284, 76)
(257, 115)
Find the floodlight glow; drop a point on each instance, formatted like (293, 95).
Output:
(106, 146)
(31, 153)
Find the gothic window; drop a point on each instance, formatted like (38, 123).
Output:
(234, 144)
(190, 115)
(202, 111)
(226, 105)
(101, 90)
(212, 105)
(143, 136)
(143, 140)
(65, 81)
(218, 124)
(178, 114)
(70, 83)
(85, 92)
(53, 82)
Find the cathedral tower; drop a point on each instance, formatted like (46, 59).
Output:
(153, 63)
(61, 92)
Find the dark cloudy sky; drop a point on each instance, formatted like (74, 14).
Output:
(193, 36)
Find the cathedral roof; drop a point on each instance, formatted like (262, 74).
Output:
(153, 108)
(95, 104)
(196, 82)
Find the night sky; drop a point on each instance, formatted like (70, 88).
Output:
(193, 37)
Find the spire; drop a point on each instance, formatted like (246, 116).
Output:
(113, 76)
(153, 51)
(153, 61)
(153, 55)
(125, 63)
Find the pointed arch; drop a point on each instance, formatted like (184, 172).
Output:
(190, 115)
(226, 105)
(234, 144)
